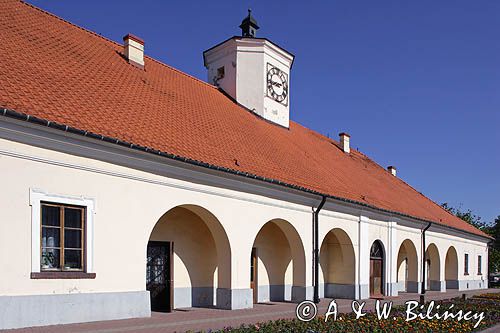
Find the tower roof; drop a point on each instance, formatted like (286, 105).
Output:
(249, 25)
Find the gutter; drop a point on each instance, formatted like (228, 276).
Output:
(422, 294)
(316, 248)
(39, 121)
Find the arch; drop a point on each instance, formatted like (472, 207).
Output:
(194, 233)
(377, 269)
(433, 268)
(280, 263)
(407, 267)
(337, 263)
(451, 268)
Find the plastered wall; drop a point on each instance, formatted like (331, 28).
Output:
(133, 206)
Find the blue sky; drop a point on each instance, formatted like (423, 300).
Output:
(415, 83)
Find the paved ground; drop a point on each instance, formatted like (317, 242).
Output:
(203, 319)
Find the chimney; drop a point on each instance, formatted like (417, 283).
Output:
(133, 48)
(392, 170)
(344, 142)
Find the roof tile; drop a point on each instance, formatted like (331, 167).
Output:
(57, 71)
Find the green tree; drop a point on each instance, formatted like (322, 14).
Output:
(494, 255)
(492, 229)
(467, 216)
(495, 232)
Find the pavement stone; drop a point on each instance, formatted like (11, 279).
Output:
(199, 319)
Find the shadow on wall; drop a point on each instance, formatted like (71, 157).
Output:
(433, 262)
(451, 268)
(337, 262)
(408, 267)
(275, 264)
(195, 257)
(281, 263)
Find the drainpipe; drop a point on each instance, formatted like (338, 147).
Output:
(316, 249)
(422, 295)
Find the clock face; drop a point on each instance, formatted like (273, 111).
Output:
(277, 84)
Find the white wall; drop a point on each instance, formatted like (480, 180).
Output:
(128, 205)
(245, 61)
(129, 202)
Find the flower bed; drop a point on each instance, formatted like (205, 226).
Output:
(487, 303)
(490, 296)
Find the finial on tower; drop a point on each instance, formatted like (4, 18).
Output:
(249, 25)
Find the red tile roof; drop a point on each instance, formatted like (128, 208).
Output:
(54, 70)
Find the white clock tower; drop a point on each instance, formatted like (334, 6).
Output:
(254, 71)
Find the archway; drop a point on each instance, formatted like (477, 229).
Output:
(278, 263)
(407, 276)
(188, 260)
(451, 268)
(432, 271)
(377, 259)
(338, 262)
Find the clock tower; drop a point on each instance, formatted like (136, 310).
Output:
(254, 71)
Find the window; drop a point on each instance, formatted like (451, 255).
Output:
(466, 264)
(63, 237)
(479, 265)
(376, 251)
(220, 73)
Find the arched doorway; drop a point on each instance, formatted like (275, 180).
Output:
(376, 269)
(277, 263)
(188, 260)
(338, 262)
(407, 276)
(432, 271)
(451, 268)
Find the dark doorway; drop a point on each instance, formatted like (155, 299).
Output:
(376, 270)
(253, 274)
(159, 277)
(406, 275)
(428, 274)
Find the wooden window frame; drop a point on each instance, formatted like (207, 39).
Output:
(37, 196)
(66, 272)
(466, 264)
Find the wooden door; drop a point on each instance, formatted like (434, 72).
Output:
(253, 274)
(159, 275)
(376, 277)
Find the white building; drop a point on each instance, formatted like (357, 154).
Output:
(127, 186)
